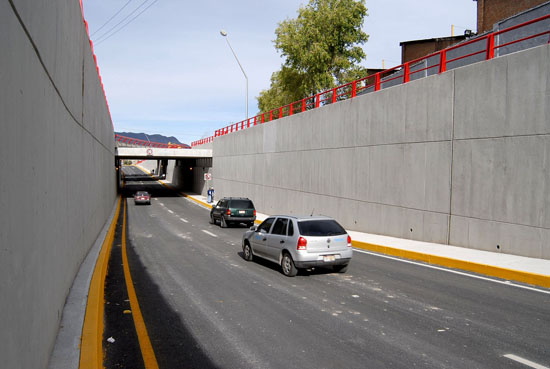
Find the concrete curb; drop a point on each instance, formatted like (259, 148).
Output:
(91, 350)
(66, 354)
(489, 270)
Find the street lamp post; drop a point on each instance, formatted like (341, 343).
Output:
(224, 34)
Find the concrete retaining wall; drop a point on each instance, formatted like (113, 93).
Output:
(58, 182)
(460, 158)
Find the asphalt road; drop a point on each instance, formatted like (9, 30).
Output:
(206, 307)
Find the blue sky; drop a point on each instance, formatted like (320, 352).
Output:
(171, 72)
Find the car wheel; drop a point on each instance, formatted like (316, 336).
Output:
(247, 251)
(223, 223)
(341, 268)
(212, 220)
(288, 265)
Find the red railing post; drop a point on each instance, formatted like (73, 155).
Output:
(290, 109)
(334, 95)
(255, 120)
(317, 98)
(490, 46)
(271, 115)
(281, 112)
(406, 73)
(303, 105)
(354, 89)
(442, 61)
(377, 81)
(263, 118)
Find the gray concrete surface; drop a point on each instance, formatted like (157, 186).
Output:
(383, 312)
(457, 158)
(58, 184)
(160, 153)
(66, 353)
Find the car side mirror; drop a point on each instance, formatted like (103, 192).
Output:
(253, 228)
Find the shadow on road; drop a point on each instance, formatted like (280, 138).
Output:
(173, 343)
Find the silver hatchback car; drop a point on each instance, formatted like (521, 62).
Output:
(299, 243)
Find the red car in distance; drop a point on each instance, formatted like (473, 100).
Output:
(142, 197)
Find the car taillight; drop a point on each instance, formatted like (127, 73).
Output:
(302, 244)
(228, 212)
(349, 241)
(254, 212)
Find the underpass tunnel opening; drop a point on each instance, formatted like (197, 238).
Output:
(184, 173)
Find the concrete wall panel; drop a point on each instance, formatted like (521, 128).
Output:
(518, 87)
(503, 179)
(58, 184)
(382, 162)
(500, 237)
(56, 29)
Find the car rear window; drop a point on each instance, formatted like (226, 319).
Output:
(242, 204)
(320, 228)
(141, 193)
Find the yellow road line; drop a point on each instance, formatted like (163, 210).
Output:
(144, 342)
(91, 348)
(490, 270)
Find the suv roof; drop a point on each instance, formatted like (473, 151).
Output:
(235, 198)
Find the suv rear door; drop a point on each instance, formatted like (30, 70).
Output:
(220, 208)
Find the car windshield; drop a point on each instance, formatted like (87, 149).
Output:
(320, 228)
(242, 204)
(141, 193)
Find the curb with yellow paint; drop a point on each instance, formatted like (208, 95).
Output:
(540, 280)
(91, 347)
(489, 270)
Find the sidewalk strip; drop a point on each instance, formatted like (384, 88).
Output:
(144, 342)
(490, 270)
(91, 351)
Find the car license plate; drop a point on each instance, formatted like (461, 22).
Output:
(328, 258)
(242, 211)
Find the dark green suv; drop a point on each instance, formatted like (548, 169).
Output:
(233, 210)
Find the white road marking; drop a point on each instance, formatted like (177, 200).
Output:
(170, 211)
(525, 361)
(209, 233)
(161, 204)
(507, 283)
(183, 220)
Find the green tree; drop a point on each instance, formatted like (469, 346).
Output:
(321, 50)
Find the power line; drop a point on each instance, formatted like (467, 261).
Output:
(104, 24)
(103, 38)
(123, 19)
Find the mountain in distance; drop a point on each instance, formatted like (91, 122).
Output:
(153, 138)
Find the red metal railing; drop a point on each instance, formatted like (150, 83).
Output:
(138, 142)
(399, 74)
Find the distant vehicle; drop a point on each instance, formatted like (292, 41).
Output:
(299, 243)
(142, 197)
(233, 210)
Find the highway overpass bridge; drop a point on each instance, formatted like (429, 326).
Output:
(149, 153)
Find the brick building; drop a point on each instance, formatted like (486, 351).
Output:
(411, 50)
(490, 12)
